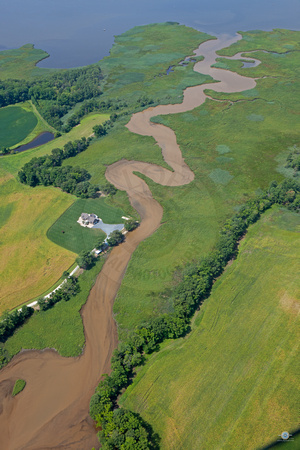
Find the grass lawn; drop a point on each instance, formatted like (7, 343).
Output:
(60, 327)
(67, 233)
(15, 125)
(232, 382)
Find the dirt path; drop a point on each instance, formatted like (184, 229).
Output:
(52, 411)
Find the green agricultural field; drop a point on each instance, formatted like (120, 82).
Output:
(67, 233)
(59, 327)
(232, 382)
(15, 125)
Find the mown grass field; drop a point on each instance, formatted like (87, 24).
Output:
(232, 382)
(67, 233)
(15, 125)
(60, 327)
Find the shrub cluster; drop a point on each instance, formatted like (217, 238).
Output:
(65, 292)
(10, 321)
(195, 286)
(47, 170)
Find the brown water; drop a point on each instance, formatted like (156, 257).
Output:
(52, 411)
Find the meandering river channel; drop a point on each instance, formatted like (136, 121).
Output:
(52, 411)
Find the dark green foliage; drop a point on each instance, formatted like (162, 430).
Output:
(47, 170)
(85, 260)
(108, 189)
(55, 95)
(115, 238)
(293, 160)
(99, 130)
(65, 292)
(196, 282)
(131, 225)
(10, 321)
(3, 357)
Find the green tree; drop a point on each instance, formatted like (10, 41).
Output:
(131, 225)
(85, 260)
(115, 238)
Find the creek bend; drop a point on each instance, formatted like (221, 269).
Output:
(52, 411)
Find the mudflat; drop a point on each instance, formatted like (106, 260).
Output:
(52, 411)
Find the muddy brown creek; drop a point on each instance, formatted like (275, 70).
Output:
(52, 411)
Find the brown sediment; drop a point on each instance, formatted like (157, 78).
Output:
(52, 411)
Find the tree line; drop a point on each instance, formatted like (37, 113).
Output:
(69, 289)
(47, 170)
(196, 283)
(10, 321)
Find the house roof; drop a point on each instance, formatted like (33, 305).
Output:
(89, 217)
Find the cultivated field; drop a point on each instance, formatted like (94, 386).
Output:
(29, 262)
(232, 383)
(15, 125)
(20, 124)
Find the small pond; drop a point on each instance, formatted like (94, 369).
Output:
(41, 139)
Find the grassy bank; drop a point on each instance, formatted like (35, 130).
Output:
(227, 384)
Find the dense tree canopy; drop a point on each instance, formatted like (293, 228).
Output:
(48, 171)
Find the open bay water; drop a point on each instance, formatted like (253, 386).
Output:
(76, 32)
